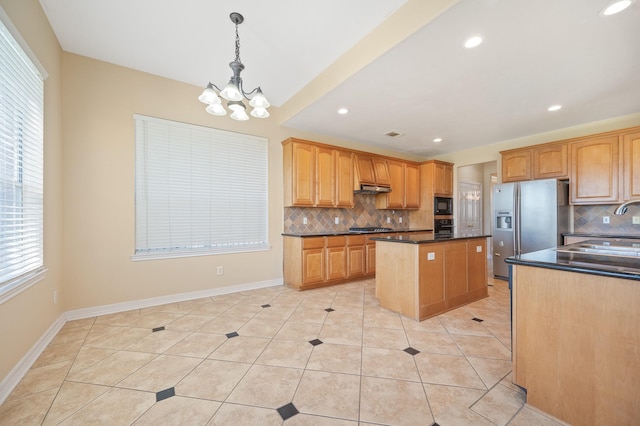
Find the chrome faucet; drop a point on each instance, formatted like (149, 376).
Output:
(622, 208)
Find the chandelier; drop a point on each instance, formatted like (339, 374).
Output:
(233, 92)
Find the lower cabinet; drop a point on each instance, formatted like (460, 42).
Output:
(311, 262)
(424, 280)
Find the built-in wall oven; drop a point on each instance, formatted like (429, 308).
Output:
(443, 228)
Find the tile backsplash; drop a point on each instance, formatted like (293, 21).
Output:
(363, 214)
(588, 219)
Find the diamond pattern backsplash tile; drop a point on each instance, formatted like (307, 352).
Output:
(588, 219)
(364, 213)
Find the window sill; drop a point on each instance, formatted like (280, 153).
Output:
(18, 285)
(178, 254)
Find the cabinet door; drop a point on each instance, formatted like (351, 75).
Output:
(313, 265)
(456, 278)
(431, 288)
(412, 186)
(631, 167)
(365, 170)
(477, 262)
(371, 259)
(443, 179)
(344, 179)
(357, 264)
(336, 263)
(594, 171)
(516, 166)
(325, 177)
(395, 198)
(382, 172)
(551, 162)
(303, 174)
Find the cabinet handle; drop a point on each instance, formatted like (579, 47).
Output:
(496, 254)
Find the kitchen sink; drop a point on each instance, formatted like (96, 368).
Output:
(628, 250)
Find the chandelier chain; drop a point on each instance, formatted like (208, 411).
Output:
(237, 45)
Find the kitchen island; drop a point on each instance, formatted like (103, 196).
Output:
(576, 338)
(421, 275)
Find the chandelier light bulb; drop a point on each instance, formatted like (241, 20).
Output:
(239, 115)
(236, 106)
(259, 100)
(216, 109)
(260, 113)
(231, 92)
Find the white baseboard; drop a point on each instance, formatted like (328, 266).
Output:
(18, 372)
(163, 300)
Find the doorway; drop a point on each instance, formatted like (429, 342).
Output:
(469, 208)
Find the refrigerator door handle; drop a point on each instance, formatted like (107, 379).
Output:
(516, 219)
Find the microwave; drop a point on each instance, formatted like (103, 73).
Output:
(443, 206)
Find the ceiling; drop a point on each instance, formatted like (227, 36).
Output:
(535, 54)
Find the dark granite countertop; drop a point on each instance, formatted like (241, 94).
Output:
(426, 238)
(601, 235)
(584, 263)
(332, 233)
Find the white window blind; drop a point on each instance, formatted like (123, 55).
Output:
(198, 190)
(21, 165)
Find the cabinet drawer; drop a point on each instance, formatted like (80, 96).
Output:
(336, 241)
(310, 243)
(356, 240)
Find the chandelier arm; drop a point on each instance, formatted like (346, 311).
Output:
(216, 87)
(247, 94)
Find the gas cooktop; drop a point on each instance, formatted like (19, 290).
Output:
(369, 229)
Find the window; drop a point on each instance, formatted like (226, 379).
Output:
(198, 190)
(21, 166)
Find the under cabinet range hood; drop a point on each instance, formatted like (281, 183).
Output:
(372, 189)
(371, 175)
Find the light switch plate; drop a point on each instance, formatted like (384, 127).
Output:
(606, 219)
(635, 220)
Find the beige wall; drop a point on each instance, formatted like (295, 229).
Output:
(27, 316)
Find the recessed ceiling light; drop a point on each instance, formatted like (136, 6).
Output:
(554, 108)
(343, 111)
(473, 42)
(436, 140)
(616, 7)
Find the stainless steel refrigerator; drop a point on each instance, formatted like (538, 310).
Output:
(528, 216)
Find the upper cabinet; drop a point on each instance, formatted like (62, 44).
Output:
(316, 176)
(631, 165)
(405, 187)
(372, 171)
(551, 161)
(602, 168)
(443, 179)
(595, 168)
(516, 165)
(540, 162)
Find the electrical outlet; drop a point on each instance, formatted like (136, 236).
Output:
(304, 220)
(431, 256)
(606, 219)
(400, 219)
(635, 220)
(220, 270)
(388, 220)
(337, 221)
(478, 249)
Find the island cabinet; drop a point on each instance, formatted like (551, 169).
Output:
(420, 280)
(575, 344)
(317, 175)
(404, 179)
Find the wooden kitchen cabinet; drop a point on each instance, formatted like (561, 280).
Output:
(631, 165)
(317, 175)
(551, 161)
(516, 165)
(443, 179)
(595, 170)
(299, 163)
(336, 258)
(356, 252)
(431, 287)
(371, 258)
(405, 182)
(381, 170)
(344, 179)
(325, 177)
(313, 269)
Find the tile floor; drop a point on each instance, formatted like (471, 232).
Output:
(276, 356)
